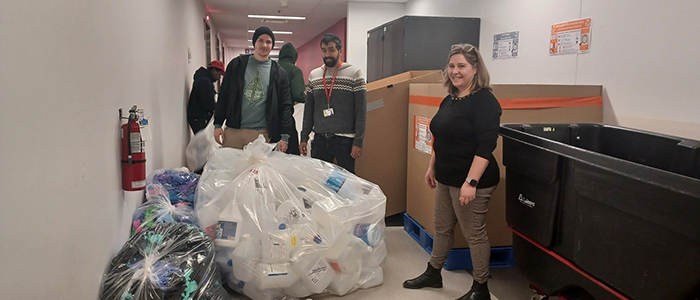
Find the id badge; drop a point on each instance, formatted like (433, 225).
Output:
(328, 112)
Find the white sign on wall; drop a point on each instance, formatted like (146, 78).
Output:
(505, 45)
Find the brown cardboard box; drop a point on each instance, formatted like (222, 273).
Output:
(424, 102)
(383, 159)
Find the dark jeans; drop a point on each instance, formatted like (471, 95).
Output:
(198, 124)
(293, 139)
(332, 147)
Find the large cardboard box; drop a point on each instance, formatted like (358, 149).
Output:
(383, 159)
(521, 104)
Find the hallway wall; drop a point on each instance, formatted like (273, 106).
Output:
(66, 67)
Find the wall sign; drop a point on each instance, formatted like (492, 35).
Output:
(571, 37)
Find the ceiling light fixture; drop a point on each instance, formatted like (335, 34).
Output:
(275, 32)
(277, 17)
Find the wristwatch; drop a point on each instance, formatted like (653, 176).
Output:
(472, 182)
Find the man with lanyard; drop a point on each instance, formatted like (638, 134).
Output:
(254, 98)
(336, 108)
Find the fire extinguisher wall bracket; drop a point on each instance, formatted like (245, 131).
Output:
(133, 156)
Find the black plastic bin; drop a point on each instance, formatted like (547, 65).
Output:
(623, 205)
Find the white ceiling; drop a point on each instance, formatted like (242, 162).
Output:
(231, 18)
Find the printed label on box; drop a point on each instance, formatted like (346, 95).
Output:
(422, 137)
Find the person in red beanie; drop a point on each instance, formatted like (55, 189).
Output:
(201, 105)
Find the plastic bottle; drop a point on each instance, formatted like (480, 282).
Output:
(245, 257)
(343, 283)
(342, 185)
(229, 226)
(275, 276)
(314, 271)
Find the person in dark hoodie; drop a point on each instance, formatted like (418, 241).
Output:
(200, 107)
(288, 59)
(254, 98)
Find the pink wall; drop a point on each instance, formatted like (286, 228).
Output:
(310, 53)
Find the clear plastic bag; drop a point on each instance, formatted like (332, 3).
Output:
(178, 185)
(166, 261)
(201, 147)
(158, 209)
(312, 225)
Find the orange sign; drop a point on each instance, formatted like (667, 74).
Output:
(422, 138)
(570, 37)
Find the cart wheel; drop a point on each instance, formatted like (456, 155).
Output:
(539, 297)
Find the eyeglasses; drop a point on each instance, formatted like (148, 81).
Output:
(463, 47)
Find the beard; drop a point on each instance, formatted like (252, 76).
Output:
(330, 61)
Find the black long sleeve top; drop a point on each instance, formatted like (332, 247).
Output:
(464, 128)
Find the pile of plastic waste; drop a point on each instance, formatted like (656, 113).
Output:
(285, 225)
(166, 261)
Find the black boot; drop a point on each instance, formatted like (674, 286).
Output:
(430, 278)
(479, 291)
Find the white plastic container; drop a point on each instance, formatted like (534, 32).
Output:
(256, 293)
(371, 234)
(343, 254)
(343, 283)
(342, 185)
(223, 259)
(298, 290)
(229, 227)
(209, 219)
(371, 277)
(376, 256)
(274, 276)
(277, 245)
(291, 214)
(245, 257)
(314, 271)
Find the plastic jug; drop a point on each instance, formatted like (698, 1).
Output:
(278, 244)
(274, 276)
(229, 227)
(344, 252)
(376, 256)
(371, 277)
(245, 257)
(257, 293)
(298, 290)
(343, 283)
(314, 271)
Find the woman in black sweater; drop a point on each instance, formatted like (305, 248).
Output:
(463, 168)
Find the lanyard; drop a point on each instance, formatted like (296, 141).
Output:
(325, 87)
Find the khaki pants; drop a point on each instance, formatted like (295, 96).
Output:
(238, 138)
(471, 218)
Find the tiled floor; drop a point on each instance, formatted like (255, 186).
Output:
(406, 259)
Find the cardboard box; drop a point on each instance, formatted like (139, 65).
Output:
(383, 159)
(521, 104)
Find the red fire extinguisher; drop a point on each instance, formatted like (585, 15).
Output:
(133, 154)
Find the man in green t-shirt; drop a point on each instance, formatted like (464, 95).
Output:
(254, 98)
